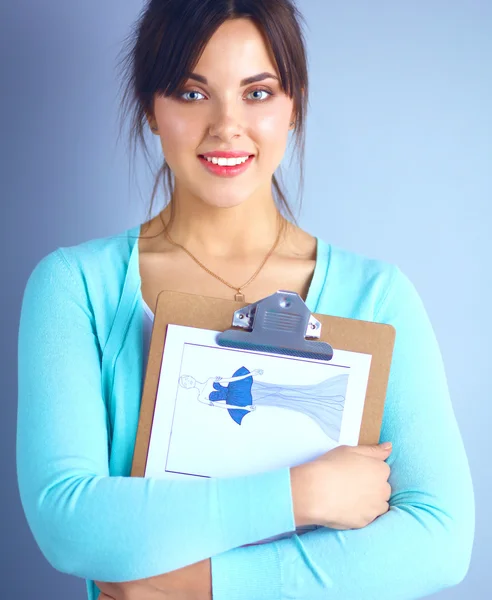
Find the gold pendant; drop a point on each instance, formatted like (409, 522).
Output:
(239, 297)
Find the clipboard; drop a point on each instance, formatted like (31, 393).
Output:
(279, 324)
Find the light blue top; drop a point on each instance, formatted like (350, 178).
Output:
(81, 361)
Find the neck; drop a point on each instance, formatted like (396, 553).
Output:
(252, 226)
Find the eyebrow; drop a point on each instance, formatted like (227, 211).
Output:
(246, 81)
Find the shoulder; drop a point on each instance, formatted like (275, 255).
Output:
(104, 257)
(83, 279)
(356, 285)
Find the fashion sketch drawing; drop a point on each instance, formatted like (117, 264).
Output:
(244, 392)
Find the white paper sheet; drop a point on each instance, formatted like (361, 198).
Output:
(279, 411)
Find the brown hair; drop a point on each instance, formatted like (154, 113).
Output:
(168, 40)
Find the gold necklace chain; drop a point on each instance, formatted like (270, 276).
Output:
(239, 296)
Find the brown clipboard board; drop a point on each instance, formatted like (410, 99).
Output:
(216, 314)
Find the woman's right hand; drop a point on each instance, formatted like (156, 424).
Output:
(345, 488)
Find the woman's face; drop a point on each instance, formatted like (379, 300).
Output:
(223, 114)
(187, 381)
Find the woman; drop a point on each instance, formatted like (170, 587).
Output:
(322, 401)
(222, 84)
(208, 390)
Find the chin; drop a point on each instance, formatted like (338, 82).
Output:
(224, 201)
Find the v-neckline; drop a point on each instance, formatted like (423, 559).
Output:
(315, 286)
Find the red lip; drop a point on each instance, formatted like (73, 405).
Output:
(228, 154)
(226, 171)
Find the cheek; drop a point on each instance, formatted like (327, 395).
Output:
(272, 134)
(178, 133)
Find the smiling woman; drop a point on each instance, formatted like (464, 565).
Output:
(249, 59)
(227, 115)
(223, 83)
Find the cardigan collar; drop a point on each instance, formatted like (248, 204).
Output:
(123, 326)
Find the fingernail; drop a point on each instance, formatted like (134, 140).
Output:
(386, 445)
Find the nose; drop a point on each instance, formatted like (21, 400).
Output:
(226, 122)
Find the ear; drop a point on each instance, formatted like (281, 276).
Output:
(151, 121)
(293, 119)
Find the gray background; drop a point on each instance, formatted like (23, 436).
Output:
(399, 149)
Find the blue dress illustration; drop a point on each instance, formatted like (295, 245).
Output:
(323, 402)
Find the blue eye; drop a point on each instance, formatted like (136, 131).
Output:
(190, 92)
(261, 90)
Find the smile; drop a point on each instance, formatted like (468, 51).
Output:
(226, 170)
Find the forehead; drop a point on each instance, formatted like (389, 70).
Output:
(236, 50)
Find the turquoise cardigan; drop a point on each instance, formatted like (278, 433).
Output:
(80, 380)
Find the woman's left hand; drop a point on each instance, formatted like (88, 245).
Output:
(193, 582)
(130, 590)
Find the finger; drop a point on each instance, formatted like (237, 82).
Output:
(384, 508)
(387, 496)
(104, 596)
(373, 450)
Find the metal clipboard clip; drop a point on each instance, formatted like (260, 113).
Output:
(278, 324)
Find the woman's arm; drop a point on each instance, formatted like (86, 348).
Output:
(86, 522)
(239, 377)
(223, 404)
(423, 544)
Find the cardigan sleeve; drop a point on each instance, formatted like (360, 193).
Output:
(424, 542)
(86, 522)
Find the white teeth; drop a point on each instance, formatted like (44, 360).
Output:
(227, 162)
